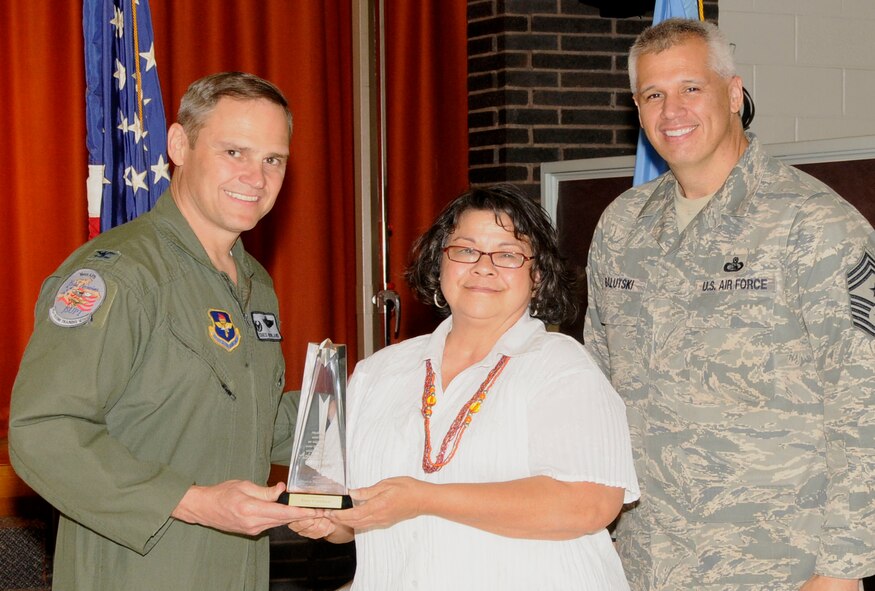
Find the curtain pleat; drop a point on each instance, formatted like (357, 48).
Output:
(43, 160)
(426, 129)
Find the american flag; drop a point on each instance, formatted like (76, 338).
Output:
(649, 164)
(126, 129)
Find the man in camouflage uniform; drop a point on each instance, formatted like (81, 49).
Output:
(730, 302)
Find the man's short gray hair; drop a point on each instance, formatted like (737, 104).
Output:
(675, 31)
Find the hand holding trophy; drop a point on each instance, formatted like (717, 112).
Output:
(317, 469)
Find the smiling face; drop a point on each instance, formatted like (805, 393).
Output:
(482, 292)
(689, 112)
(229, 179)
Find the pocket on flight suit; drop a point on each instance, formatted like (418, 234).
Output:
(205, 361)
(209, 399)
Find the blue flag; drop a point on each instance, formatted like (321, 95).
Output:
(126, 128)
(649, 164)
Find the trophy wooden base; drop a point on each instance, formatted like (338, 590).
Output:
(315, 500)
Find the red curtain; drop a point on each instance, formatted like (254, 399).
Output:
(43, 158)
(308, 241)
(426, 128)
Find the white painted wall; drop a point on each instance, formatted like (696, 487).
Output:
(809, 65)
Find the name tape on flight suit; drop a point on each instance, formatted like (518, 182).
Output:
(266, 326)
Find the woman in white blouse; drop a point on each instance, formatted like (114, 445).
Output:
(490, 454)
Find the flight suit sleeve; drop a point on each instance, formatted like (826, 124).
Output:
(69, 379)
(829, 260)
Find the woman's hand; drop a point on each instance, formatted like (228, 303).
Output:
(315, 527)
(322, 527)
(383, 504)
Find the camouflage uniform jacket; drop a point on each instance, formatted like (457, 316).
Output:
(169, 383)
(744, 348)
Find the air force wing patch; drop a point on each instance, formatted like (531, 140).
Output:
(78, 298)
(861, 288)
(222, 330)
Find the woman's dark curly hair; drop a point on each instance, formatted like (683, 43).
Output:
(553, 300)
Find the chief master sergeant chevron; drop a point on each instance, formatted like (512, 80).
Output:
(730, 302)
(148, 402)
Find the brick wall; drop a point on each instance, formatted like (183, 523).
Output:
(547, 81)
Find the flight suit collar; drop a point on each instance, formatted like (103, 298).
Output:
(173, 225)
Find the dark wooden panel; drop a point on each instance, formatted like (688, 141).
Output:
(854, 180)
(579, 206)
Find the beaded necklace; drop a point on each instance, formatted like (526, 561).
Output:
(463, 419)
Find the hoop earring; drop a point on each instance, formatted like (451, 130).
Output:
(435, 298)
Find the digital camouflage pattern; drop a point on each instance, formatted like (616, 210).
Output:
(750, 387)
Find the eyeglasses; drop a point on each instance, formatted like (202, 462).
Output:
(503, 259)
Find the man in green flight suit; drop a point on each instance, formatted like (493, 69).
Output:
(731, 304)
(148, 405)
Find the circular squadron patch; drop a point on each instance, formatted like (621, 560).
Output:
(78, 298)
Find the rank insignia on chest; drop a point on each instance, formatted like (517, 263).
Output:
(78, 298)
(222, 330)
(267, 328)
(861, 289)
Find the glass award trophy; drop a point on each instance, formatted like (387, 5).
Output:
(317, 469)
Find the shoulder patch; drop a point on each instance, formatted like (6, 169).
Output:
(78, 298)
(861, 289)
(266, 326)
